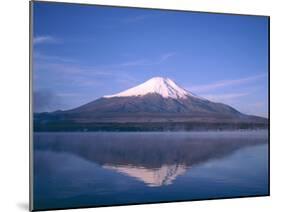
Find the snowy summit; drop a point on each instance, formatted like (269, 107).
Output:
(165, 87)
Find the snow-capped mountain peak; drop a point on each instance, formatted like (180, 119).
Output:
(165, 87)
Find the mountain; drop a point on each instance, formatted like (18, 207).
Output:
(157, 104)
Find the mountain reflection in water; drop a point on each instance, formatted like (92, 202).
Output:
(156, 159)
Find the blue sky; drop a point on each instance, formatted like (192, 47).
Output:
(84, 52)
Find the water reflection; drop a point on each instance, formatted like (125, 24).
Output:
(156, 159)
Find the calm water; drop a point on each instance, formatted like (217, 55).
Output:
(94, 169)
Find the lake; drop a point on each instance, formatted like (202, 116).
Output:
(112, 168)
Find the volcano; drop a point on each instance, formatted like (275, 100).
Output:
(159, 104)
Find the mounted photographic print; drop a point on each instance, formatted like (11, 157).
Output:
(136, 105)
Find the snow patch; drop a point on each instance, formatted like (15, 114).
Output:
(165, 87)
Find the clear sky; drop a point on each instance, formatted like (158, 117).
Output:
(84, 52)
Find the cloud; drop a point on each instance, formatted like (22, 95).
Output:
(224, 97)
(64, 73)
(259, 108)
(133, 63)
(39, 56)
(60, 73)
(225, 83)
(46, 101)
(44, 39)
(69, 94)
(259, 104)
(148, 62)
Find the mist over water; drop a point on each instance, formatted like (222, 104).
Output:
(93, 169)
